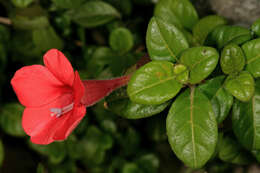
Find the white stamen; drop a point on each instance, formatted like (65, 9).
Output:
(60, 111)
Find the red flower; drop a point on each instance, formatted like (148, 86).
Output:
(55, 98)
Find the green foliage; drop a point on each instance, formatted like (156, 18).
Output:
(197, 95)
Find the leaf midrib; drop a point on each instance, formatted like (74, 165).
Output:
(192, 126)
(152, 85)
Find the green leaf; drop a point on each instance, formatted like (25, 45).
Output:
(22, 3)
(94, 13)
(192, 128)
(1, 153)
(131, 168)
(245, 121)
(182, 73)
(40, 168)
(30, 23)
(11, 118)
(68, 3)
(232, 59)
(164, 41)
(220, 99)
(230, 151)
(256, 28)
(46, 39)
(100, 58)
(154, 83)
(251, 50)
(177, 12)
(149, 163)
(241, 86)
(256, 153)
(119, 103)
(201, 61)
(205, 26)
(56, 152)
(224, 35)
(121, 40)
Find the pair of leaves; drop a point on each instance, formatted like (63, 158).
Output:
(245, 120)
(94, 13)
(224, 35)
(192, 128)
(220, 99)
(205, 26)
(180, 13)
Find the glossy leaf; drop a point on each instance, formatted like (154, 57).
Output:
(10, 119)
(119, 103)
(22, 3)
(256, 28)
(220, 99)
(46, 39)
(251, 50)
(232, 59)
(177, 12)
(230, 151)
(192, 128)
(201, 61)
(2, 153)
(182, 73)
(164, 41)
(121, 40)
(246, 120)
(94, 13)
(154, 83)
(224, 35)
(205, 26)
(241, 86)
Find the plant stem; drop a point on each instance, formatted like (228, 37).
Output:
(5, 21)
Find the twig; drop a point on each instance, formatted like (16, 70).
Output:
(5, 21)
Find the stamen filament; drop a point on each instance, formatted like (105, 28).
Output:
(60, 111)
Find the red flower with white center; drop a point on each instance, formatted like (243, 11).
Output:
(55, 97)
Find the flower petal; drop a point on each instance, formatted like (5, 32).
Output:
(36, 86)
(78, 89)
(60, 66)
(70, 124)
(37, 120)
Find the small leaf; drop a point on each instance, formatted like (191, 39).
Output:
(182, 73)
(94, 13)
(192, 128)
(224, 35)
(121, 40)
(11, 118)
(205, 26)
(177, 12)
(149, 163)
(230, 151)
(154, 83)
(256, 27)
(119, 103)
(68, 3)
(164, 41)
(251, 50)
(22, 3)
(241, 86)
(47, 38)
(232, 59)
(201, 61)
(131, 168)
(245, 121)
(30, 23)
(220, 99)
